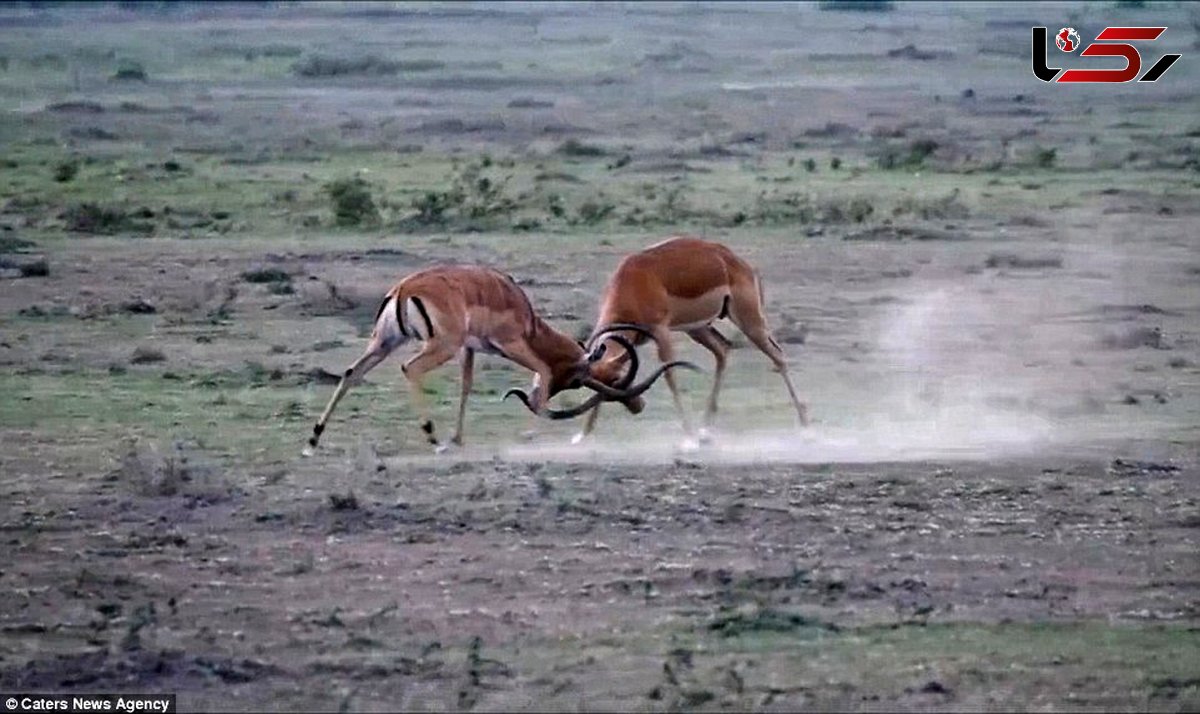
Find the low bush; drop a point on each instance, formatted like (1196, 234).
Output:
(104, 220)
(129, 70)
(330, 66)
(352, 202)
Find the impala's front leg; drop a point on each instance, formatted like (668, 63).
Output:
(521, 353)
(588, 425)
(666, 353)
(434, 355)
(531, 427)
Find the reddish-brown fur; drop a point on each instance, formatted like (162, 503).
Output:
(470, 308)
(684, 284)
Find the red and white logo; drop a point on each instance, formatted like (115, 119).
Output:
(1111, 42)
(1067, 39)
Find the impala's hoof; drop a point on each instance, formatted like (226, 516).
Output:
(308, 451)
(527, 435)
(441, 448)
(689, 444)
(578, 438)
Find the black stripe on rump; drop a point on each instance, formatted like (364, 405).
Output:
(424, 316)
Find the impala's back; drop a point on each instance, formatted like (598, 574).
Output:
(681, 283)
(473, 305)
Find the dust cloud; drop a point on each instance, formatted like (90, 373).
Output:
(976, 367)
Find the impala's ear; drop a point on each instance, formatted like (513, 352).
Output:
(598, 352)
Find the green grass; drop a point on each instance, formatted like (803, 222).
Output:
(208, 196)
(246, 413)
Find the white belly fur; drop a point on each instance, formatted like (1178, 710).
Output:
(693, 313)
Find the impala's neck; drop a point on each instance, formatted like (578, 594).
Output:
(556, 349)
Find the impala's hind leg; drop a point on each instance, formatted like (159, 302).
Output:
(746, 313)
(468, 377)
(714, 342)
(376, 353)
(435, 354)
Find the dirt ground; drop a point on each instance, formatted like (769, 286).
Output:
(996, 508)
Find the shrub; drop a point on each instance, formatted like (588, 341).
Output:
(432, 206)
(472, 196)
(1045, 158)
(147, 355)
(857, 5)
(282, 51)
(352, 202)
(36, 269)
(104, 220)
(329, 66)
(591, 213)
(948, 206)
(266, 275)
(130, 70)
(527, 224)
(858, 209)
(574, 147)
(12, 244)
(913, 156)
(66, 171)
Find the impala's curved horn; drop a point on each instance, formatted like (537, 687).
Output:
(616, 394)
(555, 414)
(620, 327)
(519, 394)
(595, 346)
(636, 390)
(572, 412)
(603, 393)
(627, 380)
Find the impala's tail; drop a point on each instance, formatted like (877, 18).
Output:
(389, 328)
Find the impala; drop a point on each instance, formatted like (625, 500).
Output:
(681, 284)
(464, 309)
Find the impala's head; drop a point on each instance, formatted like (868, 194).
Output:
(599, 366)
(601, 369)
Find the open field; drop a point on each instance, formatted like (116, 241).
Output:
(987, 287)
